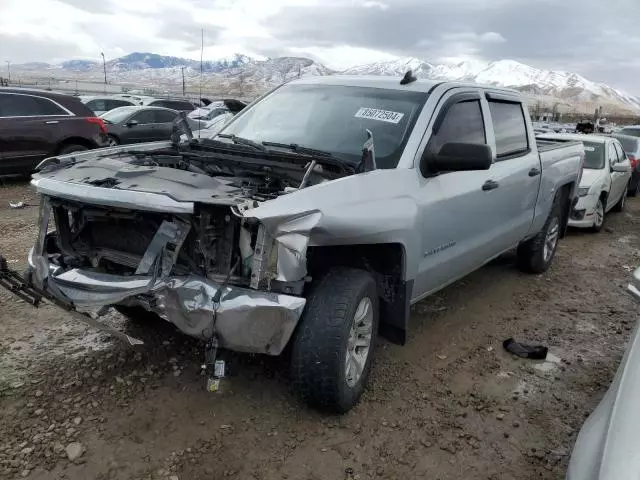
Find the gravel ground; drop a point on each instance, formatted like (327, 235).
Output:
(76, 404)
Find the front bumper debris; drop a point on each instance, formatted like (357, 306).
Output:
(15, 284)
(245, 320)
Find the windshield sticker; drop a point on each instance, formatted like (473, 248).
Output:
(589, 149)
(380, 115)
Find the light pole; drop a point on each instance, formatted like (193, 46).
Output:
(104, 66)
(183, 86)
(8, 70)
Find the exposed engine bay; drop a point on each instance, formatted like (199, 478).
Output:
(170, 229)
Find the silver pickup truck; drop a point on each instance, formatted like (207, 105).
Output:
(316, 217)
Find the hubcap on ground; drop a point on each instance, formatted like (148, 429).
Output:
(359, 342)
(599, 214)
(551, 239)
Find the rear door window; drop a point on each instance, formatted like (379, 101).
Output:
(165, 116)
(510, 129)
(18, 105)
(462, 123)
(145, 117)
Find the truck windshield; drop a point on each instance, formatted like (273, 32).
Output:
(594, 155)
(334, 118)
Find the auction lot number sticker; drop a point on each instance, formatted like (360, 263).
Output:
(380, 115)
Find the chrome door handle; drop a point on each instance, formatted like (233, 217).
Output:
(52, 122)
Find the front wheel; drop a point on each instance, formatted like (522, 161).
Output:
(535, 255)
(333, 346)
(113, 141)
(598, 216)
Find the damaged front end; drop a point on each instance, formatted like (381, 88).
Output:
(212, 270)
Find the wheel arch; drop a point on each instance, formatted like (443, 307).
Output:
(386, 262)
(73, 141)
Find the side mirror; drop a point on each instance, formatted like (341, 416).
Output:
(457, 157)
(620, 167)
(131, 123)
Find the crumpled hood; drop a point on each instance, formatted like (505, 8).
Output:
(591, 176)
(114, 173)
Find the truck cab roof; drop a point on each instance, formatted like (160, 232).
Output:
(392, 83)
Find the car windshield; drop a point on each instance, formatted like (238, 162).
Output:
(334, 118)
(118, 114)
(594, 155)
(633, 131)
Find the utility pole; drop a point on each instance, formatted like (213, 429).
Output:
(183, 85)
(104, 66)
(8, 71)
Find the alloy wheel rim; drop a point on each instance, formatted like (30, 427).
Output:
(599, 214)
(551, 239)
(359, 343)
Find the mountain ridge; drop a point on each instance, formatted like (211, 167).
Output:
(243, 71)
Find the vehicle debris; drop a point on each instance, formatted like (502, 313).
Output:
(534, 352)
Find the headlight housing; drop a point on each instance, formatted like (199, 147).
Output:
(583, 191)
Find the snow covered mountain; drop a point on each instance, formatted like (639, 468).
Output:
(241, 74)
(564, 86)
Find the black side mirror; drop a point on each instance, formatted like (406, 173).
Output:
(457, 157)
(131, 123)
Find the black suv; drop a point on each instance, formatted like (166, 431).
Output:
(37, 124)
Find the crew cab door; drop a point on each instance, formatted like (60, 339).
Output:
(457, 210)
(517, 168)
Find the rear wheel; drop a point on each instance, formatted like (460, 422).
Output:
(72, 148)
(536, 254)
(333, 347)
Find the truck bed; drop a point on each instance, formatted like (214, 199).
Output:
(544, 145)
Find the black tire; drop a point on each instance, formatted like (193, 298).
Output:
(136, 314)
(531, 254)
(321, 342)
(619, 207)
(632, 191)
(113, 141)
(72, 148)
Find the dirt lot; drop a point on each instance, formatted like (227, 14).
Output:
(451, 404)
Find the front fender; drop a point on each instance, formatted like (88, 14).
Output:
(369, 208)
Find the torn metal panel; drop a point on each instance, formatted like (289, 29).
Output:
(261, 255)
(245, 320)
(165, 245)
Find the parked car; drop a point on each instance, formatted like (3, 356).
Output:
(100, 105)
(138, 124)
(320, 212)
(605, 179)
(208, 121)
(36, 124)
(607, 445)
(632, 130)
(182, 105)
(631, 146)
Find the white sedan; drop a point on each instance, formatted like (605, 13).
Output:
(605, 177)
